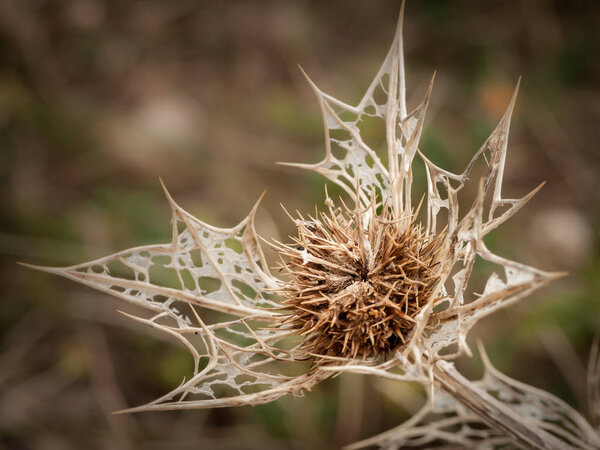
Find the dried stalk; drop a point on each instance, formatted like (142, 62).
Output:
(493, 412)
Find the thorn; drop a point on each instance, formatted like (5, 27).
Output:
(511, 104)
(431, 82)
(531, 194)
(54, 270)
(400, 22)
(557, 275)
(129, 410)
(297, 165)
(255, 207)
(419, 207)
(287, 213)
(310, 82)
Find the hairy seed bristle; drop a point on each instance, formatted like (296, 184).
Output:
(358, 279)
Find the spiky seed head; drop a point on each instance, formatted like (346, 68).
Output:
(358, 280)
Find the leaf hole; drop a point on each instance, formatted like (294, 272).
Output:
(196, 257)
(235, 245)
(209, 284)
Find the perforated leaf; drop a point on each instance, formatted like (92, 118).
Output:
(444, 423)
(207, 288)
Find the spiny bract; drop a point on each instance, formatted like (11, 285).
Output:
(358, 280)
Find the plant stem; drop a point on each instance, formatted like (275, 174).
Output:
(523, 431)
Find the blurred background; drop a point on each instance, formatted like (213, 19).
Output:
(100, 98)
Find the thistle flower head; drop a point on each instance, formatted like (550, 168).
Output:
(358, 279)
(363, 282)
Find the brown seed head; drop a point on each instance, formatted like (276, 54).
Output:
(358, 280)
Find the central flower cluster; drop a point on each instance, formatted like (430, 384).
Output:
(357, 281)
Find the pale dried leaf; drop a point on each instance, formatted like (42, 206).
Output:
(444, 423)
(208, 289)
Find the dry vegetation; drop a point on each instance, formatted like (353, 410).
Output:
(100, 99)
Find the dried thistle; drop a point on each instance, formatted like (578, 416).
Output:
(358, 279)
(371, 289)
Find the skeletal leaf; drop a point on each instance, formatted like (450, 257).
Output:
(443, 422)
(208, 289)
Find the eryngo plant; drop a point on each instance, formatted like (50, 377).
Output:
(367, 288)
